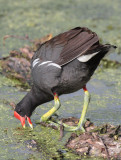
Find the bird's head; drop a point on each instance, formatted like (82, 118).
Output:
(20, 114)
(27, 105)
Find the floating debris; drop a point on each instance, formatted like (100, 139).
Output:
(102, 141)
(98, 141)
(18, 64)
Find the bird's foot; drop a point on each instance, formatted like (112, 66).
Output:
(59, 123)
(71, 128)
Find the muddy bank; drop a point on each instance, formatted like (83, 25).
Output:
(18, 64)
(103, 141)
(98, 141)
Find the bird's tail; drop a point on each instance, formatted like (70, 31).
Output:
(110, 48)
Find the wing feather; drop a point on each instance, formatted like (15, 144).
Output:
(67, 46)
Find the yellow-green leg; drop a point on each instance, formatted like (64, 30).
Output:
(81, 120)
(57, 105)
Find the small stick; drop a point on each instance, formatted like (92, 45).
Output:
(18, 37)
(61, 131)
(106, 150)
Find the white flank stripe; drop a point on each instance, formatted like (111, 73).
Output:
(54, 64)
(35, 62)
(44, 63)
(85, 58)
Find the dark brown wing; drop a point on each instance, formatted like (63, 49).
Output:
(78, 46)
(67, 46)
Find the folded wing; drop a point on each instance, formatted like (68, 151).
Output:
(68, 46)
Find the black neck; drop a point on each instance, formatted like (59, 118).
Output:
(32, 99)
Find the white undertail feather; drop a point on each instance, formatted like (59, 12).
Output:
(85, 58)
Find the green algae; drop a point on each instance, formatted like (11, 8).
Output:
(104, 107)
(47, 16)
(9, 82)
(105, 89)
(36, 19)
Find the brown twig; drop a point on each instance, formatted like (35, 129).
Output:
(106, 150)
(61, 131)
(18, 37)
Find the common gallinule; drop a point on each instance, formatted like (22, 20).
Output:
(62, 65)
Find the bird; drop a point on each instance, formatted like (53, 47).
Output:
(62, 65)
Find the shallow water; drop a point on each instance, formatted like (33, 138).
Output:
(44, 17)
